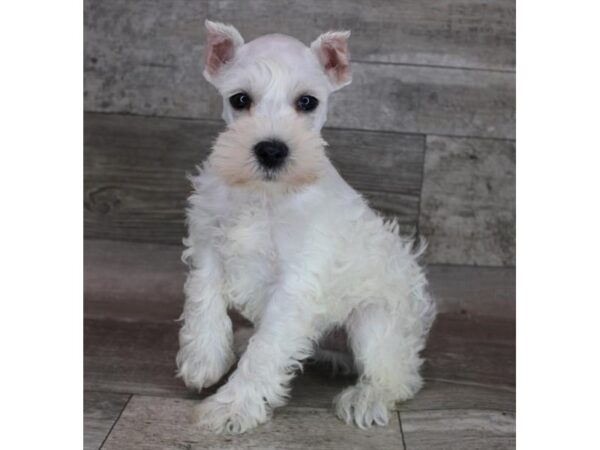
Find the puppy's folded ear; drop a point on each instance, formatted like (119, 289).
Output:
(221, 44)
(332, 50)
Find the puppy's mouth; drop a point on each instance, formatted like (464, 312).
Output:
(270, 175)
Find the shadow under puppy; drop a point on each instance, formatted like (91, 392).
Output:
(277, 234)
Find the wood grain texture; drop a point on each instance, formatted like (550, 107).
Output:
(133, 281)
(459, 430)
(426, 100)
(471, 349)
(135, 173)
(409, 99)
(145, 58)
(100, 412)
(384, 167)
(131, 357)
(460, 33)
(139, 358)
(480, 291)
(468, 201)
(470, 369)
(150, 423)
(455, 395)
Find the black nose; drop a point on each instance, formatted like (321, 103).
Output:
(271, 154)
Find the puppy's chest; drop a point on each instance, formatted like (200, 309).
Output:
(247, 242)
(247, 235)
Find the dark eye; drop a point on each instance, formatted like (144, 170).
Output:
(240, 101)
(307, 103)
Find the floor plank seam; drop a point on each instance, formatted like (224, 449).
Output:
(120, 320)
(338, 128)
(498, 387)
(496, 410)
(401, 430)
(199, 398)
(115, 422)
(470, 136)
(418, 222)
(434, 66)
(172, 395)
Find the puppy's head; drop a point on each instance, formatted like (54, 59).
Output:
(275, 75)
(275, 91)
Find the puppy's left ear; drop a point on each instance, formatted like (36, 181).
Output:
(222, 42)
(332, 50)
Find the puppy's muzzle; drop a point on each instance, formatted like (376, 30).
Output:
(271, 154)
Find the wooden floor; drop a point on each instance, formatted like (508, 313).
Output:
(134, 401)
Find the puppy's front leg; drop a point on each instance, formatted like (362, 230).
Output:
(206, 337)
(260, 382)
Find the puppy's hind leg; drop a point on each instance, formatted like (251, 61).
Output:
(386, 350)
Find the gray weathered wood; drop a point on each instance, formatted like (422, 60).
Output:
(100, 411)
(133, 281)
(135, 173)
(150, 423)
(383, 97)
(427, 100)
(484, 291)
(384, 167)
(145, 58)
(144, 282)
(449, 395)
(139, 358)
(471, 349)
(468, 201)
(458, 430)
(463, 33)
(131, 357)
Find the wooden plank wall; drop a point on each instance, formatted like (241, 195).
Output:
(426, 130)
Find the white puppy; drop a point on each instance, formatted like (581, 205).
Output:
(277, 234)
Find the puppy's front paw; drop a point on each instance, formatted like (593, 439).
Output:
(199, 371)
(361, 405)
(230, 415)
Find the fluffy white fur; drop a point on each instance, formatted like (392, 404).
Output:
(297, 252)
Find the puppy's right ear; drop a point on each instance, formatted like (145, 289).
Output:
(222, 42)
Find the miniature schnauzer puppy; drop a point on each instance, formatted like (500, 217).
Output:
(277, 234)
